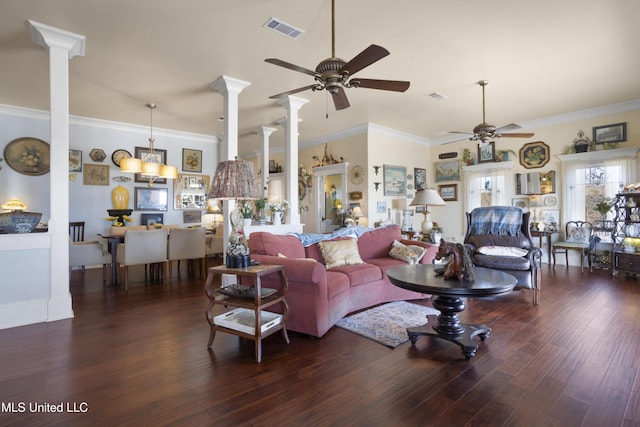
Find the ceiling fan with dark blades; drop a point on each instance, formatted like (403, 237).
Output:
(335, 74)
(484, 131)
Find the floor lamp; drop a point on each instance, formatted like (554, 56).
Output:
(426, 197)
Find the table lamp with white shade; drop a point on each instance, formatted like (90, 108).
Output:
(426, 197)
(357, 213)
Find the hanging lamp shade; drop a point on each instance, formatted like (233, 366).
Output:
(235, 179)
(131, 165)
(170, 172)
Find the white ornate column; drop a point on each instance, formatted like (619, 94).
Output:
(62, 46)
(292, 104)
(229, 88)
(265, 132)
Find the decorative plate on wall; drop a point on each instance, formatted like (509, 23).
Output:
(97, 155)
(534, 155)
(28, 156)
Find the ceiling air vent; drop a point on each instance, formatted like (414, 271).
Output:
(283, 28)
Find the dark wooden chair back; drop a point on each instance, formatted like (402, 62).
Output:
(76, 231)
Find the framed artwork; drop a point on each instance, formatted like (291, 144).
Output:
(97, 155)
(96, 174)
(190, 191)
(447, 171)
(191, 217)
(75, 160)
(534, 155)
(150, 219)
(520, 202)
(395, 180)
(420, 178)
(549, 201)
(144, 154)
(381, 207)
(448, 192)
(486, 152)
(610, 133)
(191, 160)
(28, 156)
(151, 199)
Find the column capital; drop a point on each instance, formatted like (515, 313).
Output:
(292, 102)
(226, 84)
(264, 130)
(48, 36)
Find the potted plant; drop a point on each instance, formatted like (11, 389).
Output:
(247, 213)
(261, 204)
(277, 211)
(581, 143)
(467, 157)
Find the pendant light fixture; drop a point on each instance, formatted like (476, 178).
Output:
(149, 165)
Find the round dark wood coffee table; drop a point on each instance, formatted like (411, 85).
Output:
(423, 278)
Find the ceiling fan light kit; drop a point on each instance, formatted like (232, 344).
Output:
(334, 74)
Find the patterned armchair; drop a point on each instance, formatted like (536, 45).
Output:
(498, 237)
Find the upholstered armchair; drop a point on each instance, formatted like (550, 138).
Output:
(498, 237)
(578, 237)
(187, 243)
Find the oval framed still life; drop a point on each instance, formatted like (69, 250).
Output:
(28, 156)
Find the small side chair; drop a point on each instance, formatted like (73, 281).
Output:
(578, 237)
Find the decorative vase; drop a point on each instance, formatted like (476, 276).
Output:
(120, 197)
(246, 222)
(277, 218)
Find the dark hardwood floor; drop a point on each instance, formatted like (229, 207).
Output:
(140, 359)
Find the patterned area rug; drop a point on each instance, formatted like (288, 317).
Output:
(387, 323)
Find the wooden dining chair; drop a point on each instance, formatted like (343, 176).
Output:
(76, 231)
(578, 237)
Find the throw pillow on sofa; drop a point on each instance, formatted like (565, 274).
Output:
(411, 254)
(502, 251)
(337, 253)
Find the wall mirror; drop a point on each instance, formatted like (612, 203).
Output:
(536, 183)
(190, 191)
(329, 191)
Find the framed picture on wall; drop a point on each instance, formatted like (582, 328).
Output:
(447, 171)
(395, 180)
(96, 174)
(448, 192)
(486, 152)
(75, 160)
(191, 160)
(151, 199)
(158, 155)
(381, 207)
(420, 178)
(610, 133)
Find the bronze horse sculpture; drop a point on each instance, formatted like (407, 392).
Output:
(459, 266)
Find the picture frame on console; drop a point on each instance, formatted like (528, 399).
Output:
(608, 134)
(486, 152)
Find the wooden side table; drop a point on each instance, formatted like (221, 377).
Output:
(228, 322)
(540, 234)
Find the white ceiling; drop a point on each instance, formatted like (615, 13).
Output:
(542, 58)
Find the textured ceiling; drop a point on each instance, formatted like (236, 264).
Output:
(541, 58)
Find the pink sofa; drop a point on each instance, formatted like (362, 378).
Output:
(317, 297)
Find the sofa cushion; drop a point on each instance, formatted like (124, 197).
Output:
(360, 274)
(313, 251)
(340, 252)
(501, 262)
(411, 254)
(264, 243)
(337, 282)
(377, 243)
(502, 251)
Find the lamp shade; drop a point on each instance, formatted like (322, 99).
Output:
(235, 179)
(426, 197)
(131, 165)
(357, 212)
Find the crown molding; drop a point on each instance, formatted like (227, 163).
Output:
(31, 113)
